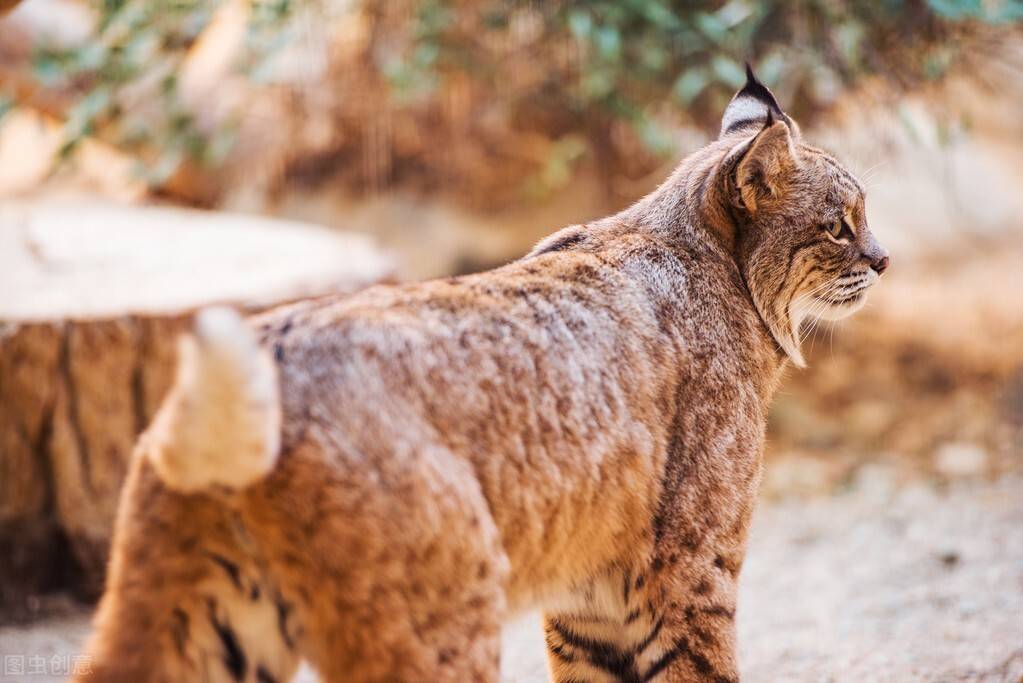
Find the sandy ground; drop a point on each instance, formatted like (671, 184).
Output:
(876, 583)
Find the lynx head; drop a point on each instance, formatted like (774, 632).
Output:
(803, 243)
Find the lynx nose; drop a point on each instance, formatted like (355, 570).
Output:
(874, 254)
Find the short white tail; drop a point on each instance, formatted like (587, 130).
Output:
(220, 423)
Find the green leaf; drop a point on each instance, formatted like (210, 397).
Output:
(937, 62)
(6, 105)
(712, 27)
(849, 37)
(580, 23)
(166, 166)
(51, 68)
(734, 13)
(91, 57)
(597, 84)
(957, 9)
(169, 84)
(689, 85)
(653, 136)
(660, 15)
(608, 41)
(1007, 11)
(728, 71)
(425, 54)
(558, 166)
(654, 57)
(81, 116)
(770, 69)
(221, 144)
(68, 147)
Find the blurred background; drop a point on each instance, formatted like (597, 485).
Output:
(156, 156)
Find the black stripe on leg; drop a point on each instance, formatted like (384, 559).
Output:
(560, 652)
(228, 566)
(651, 637)
(705, 636)
(179, 629)
(701, 664)
(667, 658)
(578, 641)
(601, 654)
(264, 676)
(283, 610)
(690, 612)
(234, 656)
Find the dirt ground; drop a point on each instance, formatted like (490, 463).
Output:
(918, 584)
(879, 582)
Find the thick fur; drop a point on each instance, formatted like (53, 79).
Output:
(220, 426)
(580, 430)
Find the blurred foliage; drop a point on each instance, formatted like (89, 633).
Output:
(635, 54)
(132, 41)
(126, 80)
(573, 71)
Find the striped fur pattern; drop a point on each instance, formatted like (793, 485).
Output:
(579, 431)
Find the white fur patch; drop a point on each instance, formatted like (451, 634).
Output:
(743, 109)
(220, 425)
(790, 342)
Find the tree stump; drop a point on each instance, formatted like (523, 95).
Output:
(92, 299)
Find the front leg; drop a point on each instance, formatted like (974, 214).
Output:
(673, 620)
(698, 639)
(692, 583)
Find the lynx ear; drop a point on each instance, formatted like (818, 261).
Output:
(751, 107)
(767, 164)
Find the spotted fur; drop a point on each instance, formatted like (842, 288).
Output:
(580, 430)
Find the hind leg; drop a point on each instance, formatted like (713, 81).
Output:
(183, 600)
(449, 639)
(397, 566)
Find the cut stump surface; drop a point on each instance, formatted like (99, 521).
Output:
(92, 300)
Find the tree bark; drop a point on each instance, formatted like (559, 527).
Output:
(81, 379)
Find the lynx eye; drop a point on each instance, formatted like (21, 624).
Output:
(838, 230)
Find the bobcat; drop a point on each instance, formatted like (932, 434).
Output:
(373, 483)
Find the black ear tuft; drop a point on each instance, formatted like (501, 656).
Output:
(753, 106)
(759, 91)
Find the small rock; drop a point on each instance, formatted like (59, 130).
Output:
(961, 460)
